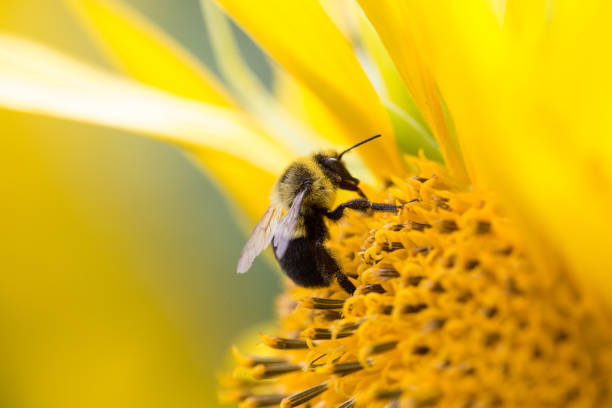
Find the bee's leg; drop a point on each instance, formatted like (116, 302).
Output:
(345, 283)
(363, 205)
(329, 266)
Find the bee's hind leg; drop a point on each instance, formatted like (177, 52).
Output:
(329, 266)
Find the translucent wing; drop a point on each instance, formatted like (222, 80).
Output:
(283, 233)
(260, 237)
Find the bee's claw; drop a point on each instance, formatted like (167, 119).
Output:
(361, 194)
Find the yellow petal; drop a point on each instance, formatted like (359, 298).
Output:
(536, 115)
(147, 53)
(228, 56)
(293, 116)
(301, 37)
(414, 132)
(248, 185)
(162, 62)
(301, 103)
(499, 9)
(38, 80)
(525, 21)
(266, 110)
(394, 22)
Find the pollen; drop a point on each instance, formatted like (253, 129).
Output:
(449, 311)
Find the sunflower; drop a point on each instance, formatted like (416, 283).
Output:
(493, 288)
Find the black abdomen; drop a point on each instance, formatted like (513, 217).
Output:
(308, 263)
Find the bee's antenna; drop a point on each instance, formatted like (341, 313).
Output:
(358, 144)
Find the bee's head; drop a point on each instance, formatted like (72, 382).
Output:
(332, 165)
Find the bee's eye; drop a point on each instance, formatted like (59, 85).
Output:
(331, 160)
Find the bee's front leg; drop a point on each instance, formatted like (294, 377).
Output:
(363, 205)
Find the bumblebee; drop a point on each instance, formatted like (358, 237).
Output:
(302, 198)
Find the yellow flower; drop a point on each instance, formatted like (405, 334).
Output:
(449, 312)
(492, 291)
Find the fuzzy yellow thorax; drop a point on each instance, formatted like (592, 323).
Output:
(322, 192)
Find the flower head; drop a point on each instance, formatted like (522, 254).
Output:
(450, 311)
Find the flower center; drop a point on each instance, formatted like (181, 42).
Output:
(449, 312)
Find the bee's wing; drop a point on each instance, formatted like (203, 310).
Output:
(260, 237)
(283, 233)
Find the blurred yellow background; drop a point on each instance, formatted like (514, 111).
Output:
(118, 255)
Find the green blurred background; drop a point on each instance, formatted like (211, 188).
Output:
(118, 255)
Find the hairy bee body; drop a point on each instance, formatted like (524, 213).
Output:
(306, 260)
(302, 198)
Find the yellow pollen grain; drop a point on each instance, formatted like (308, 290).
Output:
(449, 312)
